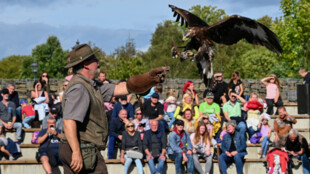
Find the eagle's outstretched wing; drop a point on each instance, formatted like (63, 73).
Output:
(234, 28)
(190, 19)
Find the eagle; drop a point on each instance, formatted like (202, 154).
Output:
(227, 31)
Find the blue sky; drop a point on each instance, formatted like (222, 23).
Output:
(106, 23)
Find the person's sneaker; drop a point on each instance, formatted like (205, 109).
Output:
(19, 142)
(156, 173)
(260, 151)
(11, 158)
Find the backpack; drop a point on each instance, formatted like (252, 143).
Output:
(255, 138)
(277, 160)
(34, 139)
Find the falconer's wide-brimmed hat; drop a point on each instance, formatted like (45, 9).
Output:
(79, 54)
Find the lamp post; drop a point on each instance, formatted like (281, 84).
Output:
(34, 69)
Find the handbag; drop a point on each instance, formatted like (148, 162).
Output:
(134, 153)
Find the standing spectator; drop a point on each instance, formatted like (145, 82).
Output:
(141, 124)
(154, 110)
(180, 148)
(189, 121)
(131, 139)
(123, 104)
(232, 111)
(304, 74)
(253, 108)
(54, 113)
(201, 143)
(189, 89)
(102, 77)
(28, 113)
(187, 103)
(235, 84)
(154, 145)
(282, 126)
(41, 99)
(297, 147)
(265, 131)
(49, 140)
(170, 106)
(116, 128)
(273, 93)
(233, 149)
(64, 86)
(211, 109)
(220, 89)
(8, 115)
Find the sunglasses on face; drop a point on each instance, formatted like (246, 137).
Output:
(44, 75)
(130, 126)
(138, 113)
(204, 118)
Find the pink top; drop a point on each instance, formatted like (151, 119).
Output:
(271, 91)
(224, 132)
(264, 130)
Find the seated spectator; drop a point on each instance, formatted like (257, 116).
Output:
(206, 121)
(220, 89)
(265, 131)
(187, 103)
(14, 97)
(64, 86)
(233, 148)
(41, 99)
(170, 106)
(3, 144)
(154, 110)
(154, 144)
(297, 147)
(232, 111)
(189, 121)
(211, 109)
(180, 148)
(189, 89)
(8, 115)
(141, 124)
(123, 104)
(235, 84)
(28, 113)
(282, 126)
(102, 78)
(201, 143)
(253, 108)
(49, 140)
(54, 113)
(116, 128)
(131, 139)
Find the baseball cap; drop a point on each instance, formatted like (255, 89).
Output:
(22, 101)
(208, 94)
(179, 122)
(5, 91)
(155, 95)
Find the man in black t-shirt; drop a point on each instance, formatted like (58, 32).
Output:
(297, 148)
(153, 110)
(306, 75)
(220, 89)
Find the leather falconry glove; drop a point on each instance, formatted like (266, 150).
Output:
(141, 83)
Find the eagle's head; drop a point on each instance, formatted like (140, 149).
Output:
(189, 34)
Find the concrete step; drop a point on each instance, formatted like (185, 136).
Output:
(251, 166)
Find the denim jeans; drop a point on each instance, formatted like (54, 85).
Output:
(18, 127)
(19, 114)
(238, 159)
(160, 165)
(111, 146)
(305, 163)
(28, 121)
(251, 131)
(162, 125)
(128, 163)
(241, 128)
(172, 119)
(265, 145)
(178, 158)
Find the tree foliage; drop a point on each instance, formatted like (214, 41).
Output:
(11, 67)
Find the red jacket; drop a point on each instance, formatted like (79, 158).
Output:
(283, 159)
(254, 105)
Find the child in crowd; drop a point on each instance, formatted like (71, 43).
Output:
(265, 130)
(28, 113)
(273, 93)
(224, 131)
(253, 108)
(170, 106)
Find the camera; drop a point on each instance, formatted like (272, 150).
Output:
(141, 124)
(52, 127)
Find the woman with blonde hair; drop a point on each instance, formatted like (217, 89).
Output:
(201, 142)
(131, 139)
(187, 103)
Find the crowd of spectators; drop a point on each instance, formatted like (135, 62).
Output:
(160, 128)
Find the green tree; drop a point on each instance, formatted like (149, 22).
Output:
(50, 57)
(10, 67)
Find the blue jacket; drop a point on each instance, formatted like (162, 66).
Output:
(239, 143)
(174, 142)
(118, 106)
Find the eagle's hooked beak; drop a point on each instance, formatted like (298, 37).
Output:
(185, 37)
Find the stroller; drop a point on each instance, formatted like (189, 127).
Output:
(277, 160)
